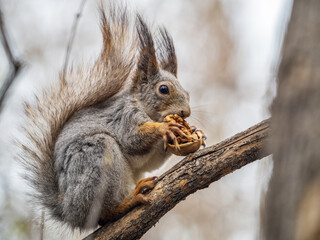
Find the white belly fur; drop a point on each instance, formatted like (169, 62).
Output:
(148, 162)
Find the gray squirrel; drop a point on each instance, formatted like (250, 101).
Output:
(93, 135)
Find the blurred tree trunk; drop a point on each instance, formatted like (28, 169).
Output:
(293, 200)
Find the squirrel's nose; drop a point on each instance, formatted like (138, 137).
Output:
(185, 113)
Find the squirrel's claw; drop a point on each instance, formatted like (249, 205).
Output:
(169, 132)
(179, 132)
(144, 185)
(193, 129)
(176, 145)
(201, 135)
(173, 138)
(165, 143)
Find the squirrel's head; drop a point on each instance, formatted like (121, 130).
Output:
(155, 83)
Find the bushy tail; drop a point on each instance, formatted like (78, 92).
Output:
(77, 90)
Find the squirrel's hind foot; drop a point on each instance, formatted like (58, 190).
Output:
(144, 185)
(137, 197)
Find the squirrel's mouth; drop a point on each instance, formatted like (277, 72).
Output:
(182, 113)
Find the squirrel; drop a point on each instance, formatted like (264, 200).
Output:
(93, 135)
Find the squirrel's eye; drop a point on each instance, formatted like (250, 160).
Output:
(164, 89)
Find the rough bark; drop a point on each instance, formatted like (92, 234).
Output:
(293, 200)
(195, 172)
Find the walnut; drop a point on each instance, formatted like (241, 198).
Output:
(188, 142)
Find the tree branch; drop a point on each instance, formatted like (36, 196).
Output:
(15, 64)
(195, 172)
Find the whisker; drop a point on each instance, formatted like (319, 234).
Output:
(198, 120)
(202, 105)
(202, 111)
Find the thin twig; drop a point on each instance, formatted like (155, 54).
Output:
(71, 39)
(14, 63)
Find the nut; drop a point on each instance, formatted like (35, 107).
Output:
(194, 140)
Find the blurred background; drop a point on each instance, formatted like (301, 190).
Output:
(228, 52)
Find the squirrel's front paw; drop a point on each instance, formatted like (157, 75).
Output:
(169, 132)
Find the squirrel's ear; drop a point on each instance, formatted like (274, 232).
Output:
(147, 62)
(167, 53)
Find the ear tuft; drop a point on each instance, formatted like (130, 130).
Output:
(167, 54)
(147, 63)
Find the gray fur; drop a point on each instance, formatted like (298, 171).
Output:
(110, 128)
(90, 169)
(87, 148)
